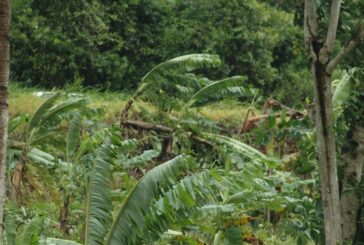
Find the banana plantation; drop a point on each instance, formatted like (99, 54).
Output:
(181, 122)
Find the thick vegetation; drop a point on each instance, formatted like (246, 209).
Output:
(215, 190)
(181, 122)
(111, 44)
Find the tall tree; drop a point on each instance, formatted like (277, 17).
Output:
(4, 79)
(321, 47)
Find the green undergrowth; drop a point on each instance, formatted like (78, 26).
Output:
(135, 185)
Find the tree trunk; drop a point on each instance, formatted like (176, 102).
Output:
(350, 202)
(64, 216)
(124, 112)
(16, 181)
(4, 80)
(326, 150)
(321, 50)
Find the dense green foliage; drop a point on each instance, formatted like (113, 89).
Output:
(106, 185)
(161, 170)
(112, 44)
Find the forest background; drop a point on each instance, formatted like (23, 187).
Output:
(110, 45)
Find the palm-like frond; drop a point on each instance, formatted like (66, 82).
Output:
(99, 204)
(130, 219)
(238, 146)
(29, 235)
(182, 64)
(73, 136)
(176, 206)
(188, 80)
(10, 227)
(95, 140)
(59, 110)
(214, 88)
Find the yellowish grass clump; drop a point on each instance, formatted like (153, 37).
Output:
(23, 102)
(226, 112)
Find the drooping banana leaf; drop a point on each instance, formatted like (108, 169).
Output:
(218, 87)
(129, 221)
(182, 64)
(73, 136)
(38, 115)
(99, 206)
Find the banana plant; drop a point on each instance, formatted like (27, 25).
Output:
(129, 223)
(143, 216)
(168, 197)
(42, 126)
(177, 67)
(80, 148)
(72, 169)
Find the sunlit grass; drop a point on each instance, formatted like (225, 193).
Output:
(24, 100)
(226, 112)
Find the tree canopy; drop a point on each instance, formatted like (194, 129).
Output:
(111, 44)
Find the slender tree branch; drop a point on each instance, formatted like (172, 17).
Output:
(344, 51)
(332, 28)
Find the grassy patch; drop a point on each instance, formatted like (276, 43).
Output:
(22, 100)
(226, 112)
(25, 100)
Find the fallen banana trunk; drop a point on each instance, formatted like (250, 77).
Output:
(251, 122)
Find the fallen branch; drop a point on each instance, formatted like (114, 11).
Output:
(250, 123)
(147, 126)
